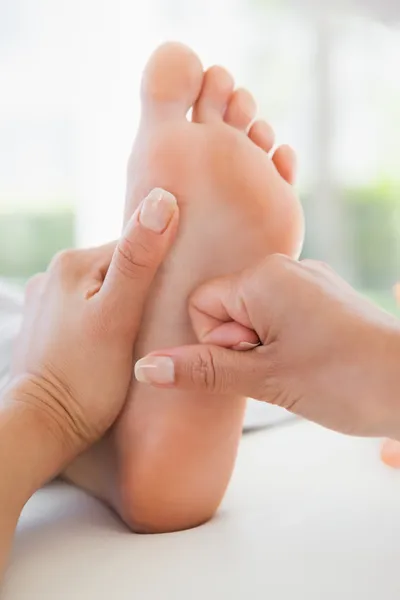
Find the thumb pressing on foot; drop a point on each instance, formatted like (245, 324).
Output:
(322, 347)
(229, 358)
(210, 369)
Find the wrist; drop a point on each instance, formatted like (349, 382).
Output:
(32, 450)
(50, 404)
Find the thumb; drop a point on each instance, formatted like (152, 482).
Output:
(143, 246)
(213, 370)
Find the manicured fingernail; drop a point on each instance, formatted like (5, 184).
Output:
(157, 210)
(159, 370)
(246, 346)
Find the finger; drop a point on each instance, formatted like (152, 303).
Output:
(88, 265)
(241, 307)
(143, 246)
(98, 260)
(234, 336)
(219, 314)
(95, 263)
(213, 370)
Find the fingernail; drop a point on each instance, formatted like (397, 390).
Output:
(157, 210)
(246, 346)
(155, 370)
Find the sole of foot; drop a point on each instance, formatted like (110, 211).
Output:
(168, 460)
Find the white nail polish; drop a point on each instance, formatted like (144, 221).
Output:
(157, 210)
(159, 370)
(246, 346)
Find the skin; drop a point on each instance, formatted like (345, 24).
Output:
(74, 358)
(311, 326)
(326, 353)
(167, 462)
(390, 452)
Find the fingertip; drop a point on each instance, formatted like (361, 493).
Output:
(157, 214)
(209, 307)
(201, 367)
(144, 244)
(158, 210)
(231, 335)
(246, 346)
(155, 370)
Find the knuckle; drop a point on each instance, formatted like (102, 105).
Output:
(308, 262)
(315, 264)
(274, 377)
(275, 272)
(135, 259)
(203, 372)
(278, 264)
(319, 271)
(64, 260)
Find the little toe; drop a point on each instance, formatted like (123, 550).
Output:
(171, 81)
(262, 134)
(215, 93)
(285, 161)
(241, 109)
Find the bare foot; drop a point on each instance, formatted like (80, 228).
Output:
(168, 460)
(390, 452)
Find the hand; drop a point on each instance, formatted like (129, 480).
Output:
(324, 353)
(74, 357)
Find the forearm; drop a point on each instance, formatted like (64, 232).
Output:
(9, 515)
(29, 456)
(388, 366)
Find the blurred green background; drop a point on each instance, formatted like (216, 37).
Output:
(327, 80)
(29, 239)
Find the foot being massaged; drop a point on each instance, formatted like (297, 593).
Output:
(204, 294)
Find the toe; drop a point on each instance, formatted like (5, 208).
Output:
(285, 162)
(216, 91)
(171, 81)
(241, 109)
(262, 134)
(390, 454)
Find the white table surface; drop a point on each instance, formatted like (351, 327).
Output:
(309, 515)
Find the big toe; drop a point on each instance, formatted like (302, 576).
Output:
(171, 81)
